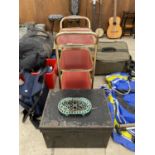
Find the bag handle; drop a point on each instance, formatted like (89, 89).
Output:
(119, 92)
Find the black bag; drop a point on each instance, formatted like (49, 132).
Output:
(33, 95)
(34, 47)
(131, 69)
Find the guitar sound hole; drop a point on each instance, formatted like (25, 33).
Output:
(114, 23)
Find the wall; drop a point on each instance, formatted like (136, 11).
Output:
(38, 10)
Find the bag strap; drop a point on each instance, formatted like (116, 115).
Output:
(30, 110)
(122, 92)
(35, 121)
(125, 105)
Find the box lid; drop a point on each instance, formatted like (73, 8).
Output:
(98, 117)
(114, 51)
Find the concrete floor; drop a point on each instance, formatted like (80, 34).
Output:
(32, 142)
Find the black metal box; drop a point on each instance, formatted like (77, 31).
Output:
(92, 130)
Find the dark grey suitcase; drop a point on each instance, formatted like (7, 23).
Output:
(112, 57)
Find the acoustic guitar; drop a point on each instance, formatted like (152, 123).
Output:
(114, 30)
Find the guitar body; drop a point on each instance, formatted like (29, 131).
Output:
(114, 30)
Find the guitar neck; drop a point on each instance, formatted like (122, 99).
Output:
(115, 10)
(100, 13)
(94, 14)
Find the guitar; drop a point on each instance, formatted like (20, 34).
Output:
(114, 30)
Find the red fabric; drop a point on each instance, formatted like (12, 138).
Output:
(76, 80)
(75, 59)
(85, 39)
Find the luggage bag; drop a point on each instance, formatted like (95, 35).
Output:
(112, 57)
